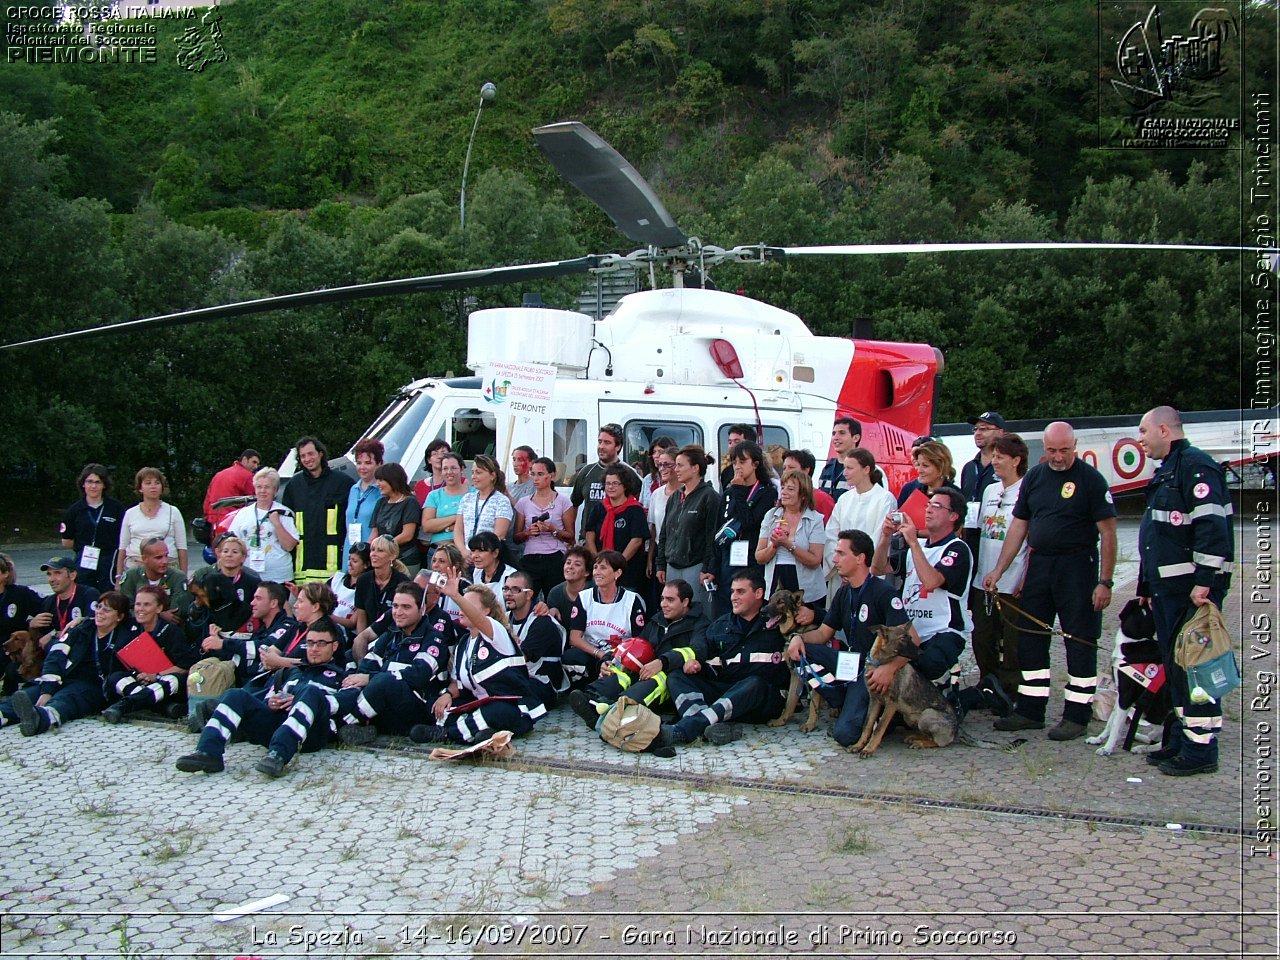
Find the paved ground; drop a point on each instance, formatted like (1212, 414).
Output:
(776, 845)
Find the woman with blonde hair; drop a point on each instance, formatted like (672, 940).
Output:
(377, 586)
(151, 518)
(489, 686)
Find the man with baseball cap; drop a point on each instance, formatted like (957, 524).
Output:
(69, 602)
(978, 474)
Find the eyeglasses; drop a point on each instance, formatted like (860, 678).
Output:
(665, 466)
(517, 590)
(319, 641)
(95, 482)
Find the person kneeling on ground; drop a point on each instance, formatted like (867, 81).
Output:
(267, 715)
(743, 678)
(490, 688)
(71, 685)
(678, 636)
(862, 602)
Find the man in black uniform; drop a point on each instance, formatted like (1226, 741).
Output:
(70, 601)
(1063, 507)
(275, 629)
(317, 496)
(1186, 546)
(540, 638)
(743, 679)
(846, 434)
(862, 602)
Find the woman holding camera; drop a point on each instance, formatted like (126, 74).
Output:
(544, 526)
(749, 496)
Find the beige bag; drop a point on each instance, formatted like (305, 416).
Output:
(210, 677)
(497, 747)
(630, 726)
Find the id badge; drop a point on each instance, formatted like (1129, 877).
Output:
(847, 665)
(971, 515)
(89, 557)
(257, 560)
(354, 533)
(739, 555)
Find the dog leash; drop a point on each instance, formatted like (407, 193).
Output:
(1048, 631)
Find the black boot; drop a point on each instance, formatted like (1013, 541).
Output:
(121, 709)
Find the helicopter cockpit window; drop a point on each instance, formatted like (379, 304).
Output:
(474, 431)
(639, 434)
(776, 442)
(400, 423)
(568, 449)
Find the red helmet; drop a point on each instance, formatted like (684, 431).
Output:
(633, 653)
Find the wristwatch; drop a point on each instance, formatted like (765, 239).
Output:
(1106, 583)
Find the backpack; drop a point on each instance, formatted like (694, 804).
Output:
(629, 726)
(1203, 649)
(210, 677)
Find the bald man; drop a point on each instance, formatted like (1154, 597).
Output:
(1064, 511)
(1185, 547)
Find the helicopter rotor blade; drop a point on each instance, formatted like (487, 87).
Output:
(872, 249)
(584, 159)
(490, 276)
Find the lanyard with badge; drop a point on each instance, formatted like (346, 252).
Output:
(257, 561)
(849, 662)
(90, 554)
(740, 550)
(355, 529)
(64, 613)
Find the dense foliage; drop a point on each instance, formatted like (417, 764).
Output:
(327, 151)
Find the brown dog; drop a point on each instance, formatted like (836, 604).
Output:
(26, 653)
(781, 612)
(920, 702)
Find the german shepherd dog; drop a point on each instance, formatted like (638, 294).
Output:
(781, 612)
(920, 703)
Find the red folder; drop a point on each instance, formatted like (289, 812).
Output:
(915, 506)
(474, 704)
(143, 655)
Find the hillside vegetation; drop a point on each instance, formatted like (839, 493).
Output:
(328, 149)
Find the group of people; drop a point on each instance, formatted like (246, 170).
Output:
(459, 607)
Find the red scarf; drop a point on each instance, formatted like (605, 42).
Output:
(611, 514)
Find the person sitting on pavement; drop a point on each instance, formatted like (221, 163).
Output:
(70, 686)
(678, 636)
(275, 629)
(563, 598)
(377, 586)
(489, 688)
(742, 680)
(90, 528)
(129, 690)
(540, 638)
(267, 527)
(936, 581)
(343, 585)
(264, 714)
(18, 604)
(601, 617)
(68, 603)
(487, 565)
(148, 519)
(862, 603)
(396, 683)
(156, 571)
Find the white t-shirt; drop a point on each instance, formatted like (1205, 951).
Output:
(480, 514)
(137, 528)
(857, 511)
(994, 517)
(658, 511)
(267, 557)
(943, 608)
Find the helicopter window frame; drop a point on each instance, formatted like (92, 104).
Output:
(650, 428)
(568, 444)
(768, 438)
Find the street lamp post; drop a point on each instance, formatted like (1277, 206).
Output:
(487, 93)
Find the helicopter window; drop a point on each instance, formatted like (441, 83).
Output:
(639, 434)
(398, 429)
(568, 448)
(776, 442)
(474, 432)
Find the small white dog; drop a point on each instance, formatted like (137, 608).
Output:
(1135, 668)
